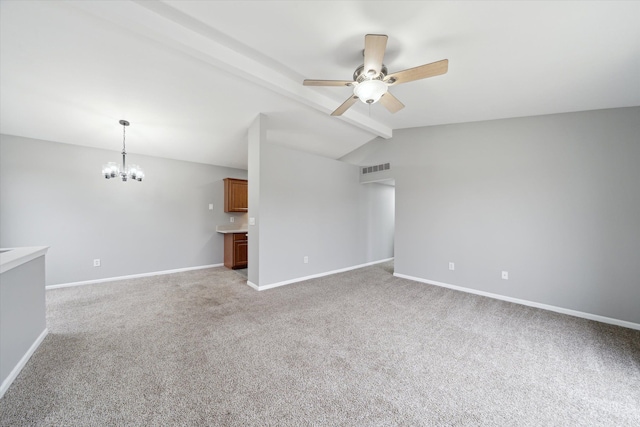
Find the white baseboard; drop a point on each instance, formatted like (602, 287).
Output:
(21, 363)
(314, 276)
(562, 310)
(132, 276)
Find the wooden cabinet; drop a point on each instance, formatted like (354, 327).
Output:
(236, 195)
(235, 250)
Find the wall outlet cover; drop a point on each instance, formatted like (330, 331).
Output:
(452, 266)
(96, 262)
(231, 219)
(505, 275)
(252, 221)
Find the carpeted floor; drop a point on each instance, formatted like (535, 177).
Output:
(361, 348)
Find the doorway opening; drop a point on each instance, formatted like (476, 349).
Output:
(381, 220)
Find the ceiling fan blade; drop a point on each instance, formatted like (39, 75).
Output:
(391, 103)
(417, 73)
(345, 106)
(327, 82)
(374, 47)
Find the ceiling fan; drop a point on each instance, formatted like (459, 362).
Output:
(371, 80)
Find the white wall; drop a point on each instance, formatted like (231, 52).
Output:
(53, 195)
(554, 200)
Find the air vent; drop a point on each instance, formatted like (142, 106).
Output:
(376, 168)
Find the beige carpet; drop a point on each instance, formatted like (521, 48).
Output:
(360, 348)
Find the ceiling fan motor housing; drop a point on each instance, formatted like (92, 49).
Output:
(360, 75)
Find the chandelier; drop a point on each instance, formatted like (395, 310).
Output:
(111, 169)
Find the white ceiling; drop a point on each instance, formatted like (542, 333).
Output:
(191, 76)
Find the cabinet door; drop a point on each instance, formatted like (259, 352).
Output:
(240, 254)
(236, 248)
(236, 195)
(229, 251)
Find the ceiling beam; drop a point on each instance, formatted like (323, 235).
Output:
(174, 29)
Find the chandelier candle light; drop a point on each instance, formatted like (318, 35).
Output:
(111, 169)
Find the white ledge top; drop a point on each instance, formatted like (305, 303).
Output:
(14, 257)
(232, 228)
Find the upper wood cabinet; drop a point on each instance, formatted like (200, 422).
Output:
(236, 195)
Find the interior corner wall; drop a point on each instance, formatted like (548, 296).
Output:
(315, 207)
(53, 194)
(554, 200)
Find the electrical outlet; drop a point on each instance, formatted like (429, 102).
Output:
(252, 221)
(231, 219)
(306, 260)
(96, 262)
(452, 266)
(210, 206)
(505, 275)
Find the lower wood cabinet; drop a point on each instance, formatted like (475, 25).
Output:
(235, 250)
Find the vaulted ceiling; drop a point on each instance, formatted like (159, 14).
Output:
(191, 76)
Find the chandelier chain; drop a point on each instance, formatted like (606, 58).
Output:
(124, 147)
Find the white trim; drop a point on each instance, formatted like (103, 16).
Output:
(132, 276)
(562, 310)
(21, 363)
(313, 276)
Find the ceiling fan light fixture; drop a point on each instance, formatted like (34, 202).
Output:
(371, 80)
(370, 91)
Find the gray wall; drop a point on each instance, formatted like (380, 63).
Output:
(53, 195)
(256, 135)
(554, 200)
(22, 312)
(314, 206)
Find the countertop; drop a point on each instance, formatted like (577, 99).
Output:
(232, 228)
(13, 257)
